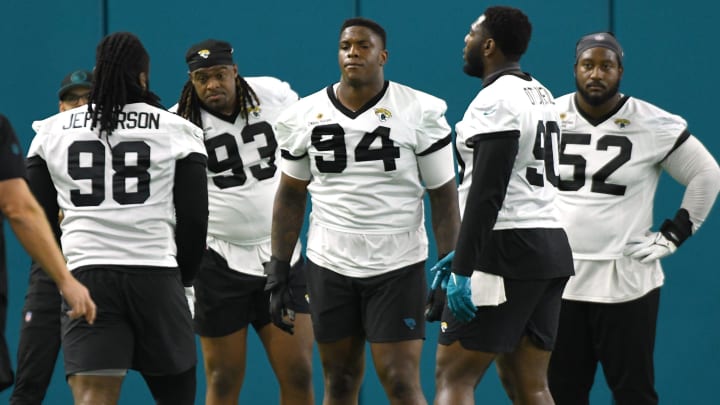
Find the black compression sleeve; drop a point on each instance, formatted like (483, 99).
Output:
(43, 189)
(493, 160)
(191, 211)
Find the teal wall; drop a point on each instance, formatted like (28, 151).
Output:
(668, 47)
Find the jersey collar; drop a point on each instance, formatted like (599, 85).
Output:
(354, 114)
(597, 121)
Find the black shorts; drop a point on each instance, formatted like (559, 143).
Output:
(384, 308)
(142, 322)
(228, 300)
(532, 308)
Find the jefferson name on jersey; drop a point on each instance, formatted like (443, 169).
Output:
(126, 120)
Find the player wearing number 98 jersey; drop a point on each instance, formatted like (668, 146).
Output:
(129, 177)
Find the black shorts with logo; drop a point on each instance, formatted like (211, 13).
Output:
(532, 308)
(384, 308)
(228, 301)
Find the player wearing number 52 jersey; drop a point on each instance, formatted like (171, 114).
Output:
(129, 177)
(512, 258)
(237, 115)
(612, 152)
(366, 150)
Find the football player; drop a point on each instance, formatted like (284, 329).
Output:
(613, 149)
(366, 150)
(512, 258)
(237, 115)
(130, 179)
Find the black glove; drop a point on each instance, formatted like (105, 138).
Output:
(435, 304)
(278, 273)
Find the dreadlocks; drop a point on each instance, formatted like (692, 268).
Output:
(189, 103)
(119, 60)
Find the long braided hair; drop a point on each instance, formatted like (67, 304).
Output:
(189, 102)
(119, 59)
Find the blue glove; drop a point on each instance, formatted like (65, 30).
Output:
(459, 297)
(441, 269)
(436, 298)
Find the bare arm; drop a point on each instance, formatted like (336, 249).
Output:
(445, 216)
(288, 215)
(29, 223)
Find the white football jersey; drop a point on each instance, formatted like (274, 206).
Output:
(116, 191)
(366, 170)
(508, 105)
(242, 171)
(609, 172)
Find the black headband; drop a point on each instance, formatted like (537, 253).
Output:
(208, 53)
(599, 40)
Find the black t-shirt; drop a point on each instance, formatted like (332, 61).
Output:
(12, 160)
(12, 165)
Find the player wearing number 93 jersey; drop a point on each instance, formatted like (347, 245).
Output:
(237, 115)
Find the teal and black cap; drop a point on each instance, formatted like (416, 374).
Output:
(75, 79)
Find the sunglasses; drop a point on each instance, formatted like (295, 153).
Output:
(72, 98)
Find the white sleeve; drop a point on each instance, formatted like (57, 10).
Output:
(437, 168)
(434, 151)
(296, 168)
(433, 126)
(294, 158)
(694, 167)
(36, 148)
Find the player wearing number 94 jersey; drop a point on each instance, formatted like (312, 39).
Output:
(366, 150)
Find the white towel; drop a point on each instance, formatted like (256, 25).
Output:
(487, 289)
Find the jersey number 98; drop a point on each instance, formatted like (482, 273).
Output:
(122, 171)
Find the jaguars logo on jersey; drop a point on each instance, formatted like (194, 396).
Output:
(383, 114)
(622, 122)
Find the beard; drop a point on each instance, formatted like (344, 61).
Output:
(597, 99)
(473, 64)
(475, 70)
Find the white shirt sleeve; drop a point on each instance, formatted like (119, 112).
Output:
(694, 167)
